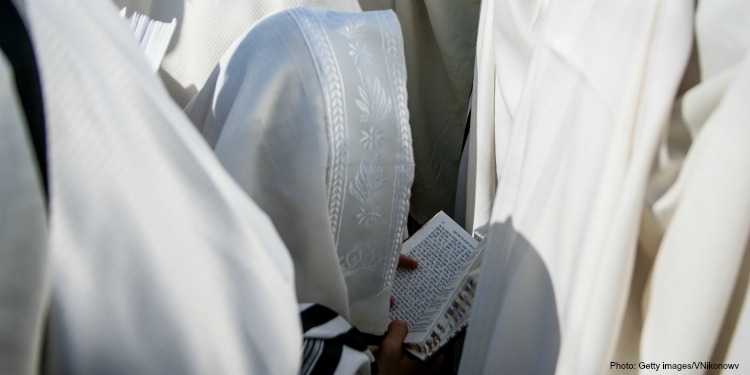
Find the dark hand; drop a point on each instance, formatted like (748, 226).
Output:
(392, 358)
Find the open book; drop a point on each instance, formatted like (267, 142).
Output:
(435, 298)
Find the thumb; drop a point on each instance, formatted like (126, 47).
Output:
(394, 338)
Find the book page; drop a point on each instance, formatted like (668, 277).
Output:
(444, 251)
(454, 317)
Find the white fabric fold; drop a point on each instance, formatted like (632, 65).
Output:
(696, 305)
(575, 132)
(160, 263)
(619, 135)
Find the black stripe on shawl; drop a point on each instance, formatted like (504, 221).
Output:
(323, 355)
(328, 360)
(357, 340)
(310, 353)
(316, 315)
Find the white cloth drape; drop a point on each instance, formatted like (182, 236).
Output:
(579, 94)
(205, 28)
(695, 305)
(506, 38)
(24, 280)
(160, 263)
(620, 227)
(308, 113)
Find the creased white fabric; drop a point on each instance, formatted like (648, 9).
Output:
(575, 132)
(482, 174)
(160, 263)
(440, 39)
(696, 305)
(24, 281)
(205, 28)
(508, 32)
(308, 113)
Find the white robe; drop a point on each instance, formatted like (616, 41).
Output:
(505, 42)
(308, 113)
(205, 29)
(696, 230)
(579, 94)
(160, 263)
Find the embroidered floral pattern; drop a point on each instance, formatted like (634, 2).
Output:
(359, 58)
(373, 101)
(371, 138)
(365, 188)
(350, 26)
(361, 53)
(362, 258)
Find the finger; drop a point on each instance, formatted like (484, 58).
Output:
(407, 262)
(394, 338)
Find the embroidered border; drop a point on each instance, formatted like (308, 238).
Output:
(373, 107)
(333, 95)
(374, 104)
(393, 45)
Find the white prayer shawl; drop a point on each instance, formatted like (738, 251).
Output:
(308, 113)
(24, 285)
(696, 306)
(160, 263)
(205, 29)
(439, 39)
(572, 144)
(505, 42)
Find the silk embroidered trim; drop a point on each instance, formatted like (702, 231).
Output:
(360, 63)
